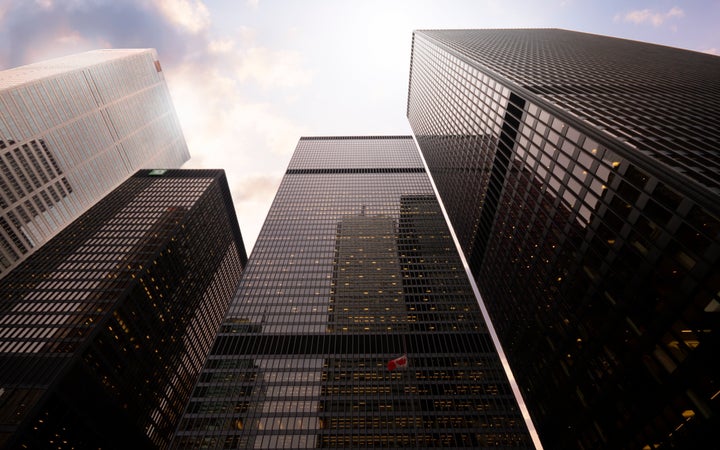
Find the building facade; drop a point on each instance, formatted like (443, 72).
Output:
(103, 331)
(579, 173)
(71, 130)
(355, 324)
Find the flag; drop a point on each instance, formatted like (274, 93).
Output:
(398, 363)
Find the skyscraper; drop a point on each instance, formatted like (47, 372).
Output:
(355, 324)
(71, 130)
(103, 331)
(580, 174)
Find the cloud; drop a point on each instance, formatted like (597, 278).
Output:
(247, 36)
(266, 67)
(273, 68)
(191, 15)
(645, 16)
(45, 4)
(215, 113)
(259, 187)
(221, 46)
(252, 196)
(94, 24)
(712, 51)
(225, 128)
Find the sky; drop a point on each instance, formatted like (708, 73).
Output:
(250, 77)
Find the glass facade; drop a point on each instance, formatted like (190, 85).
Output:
(71, 130)
(103, 331)
(580, 175)
(353, 270)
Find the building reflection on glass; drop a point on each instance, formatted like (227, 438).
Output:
(353, 268)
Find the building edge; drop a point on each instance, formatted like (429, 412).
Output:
(478, 297)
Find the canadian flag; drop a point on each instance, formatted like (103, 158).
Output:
(398, 363)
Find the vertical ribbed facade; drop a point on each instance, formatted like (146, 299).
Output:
(580, 174)
(71, 130)
(103, 331)
(354, 268)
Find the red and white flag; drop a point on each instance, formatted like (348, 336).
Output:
(398, 363)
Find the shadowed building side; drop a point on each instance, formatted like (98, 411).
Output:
(579, 173)
(103, 330)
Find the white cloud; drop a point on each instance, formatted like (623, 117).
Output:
(192, 15)
(64, 42)
(272, 68)
(252, 195)
(256, 187)
(712, 51)
(44, 4)
(247, 36)
(251, 140)
(269, 68)
(70, 37)
(221, 45)
(644, 16)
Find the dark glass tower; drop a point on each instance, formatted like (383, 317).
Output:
(580, 174)
(103, 331)
(354, 268)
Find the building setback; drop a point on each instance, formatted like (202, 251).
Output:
(355, 324)
(71, 130)
(580, 174)
(103, 331)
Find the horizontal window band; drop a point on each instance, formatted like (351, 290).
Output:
(359, 170)
(333, 345)
(351, 138)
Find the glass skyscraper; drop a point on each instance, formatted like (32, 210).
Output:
(71, 130)
(580, 174)
(355, 324)
(104, 330)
